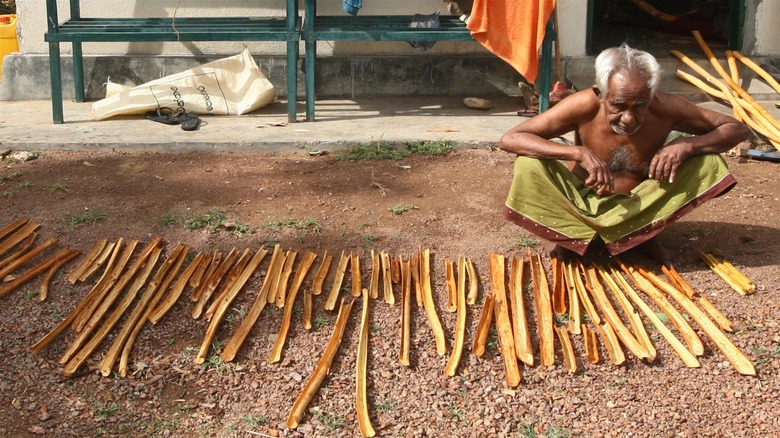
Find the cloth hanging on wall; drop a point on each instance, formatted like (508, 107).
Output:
(352, 6)
(513, 30)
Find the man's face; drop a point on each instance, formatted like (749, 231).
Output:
(626, 102)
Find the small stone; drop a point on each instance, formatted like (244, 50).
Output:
(295, 376)
(23, 156)
(37, 430)
(305, 429)
(477, 103)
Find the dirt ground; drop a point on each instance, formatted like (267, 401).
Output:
(449, 204)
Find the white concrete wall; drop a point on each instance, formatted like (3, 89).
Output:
(767, 28)
(32, 25)
(573, 27)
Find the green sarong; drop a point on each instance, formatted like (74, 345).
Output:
(551, 202)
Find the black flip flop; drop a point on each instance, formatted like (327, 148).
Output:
(188, 121)
(770, 155)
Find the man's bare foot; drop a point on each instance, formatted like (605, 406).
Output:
(557, 251)
(657, 251)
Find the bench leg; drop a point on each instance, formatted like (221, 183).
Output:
(292, 81)
(311, 92)
(56, 82)
(78, 71)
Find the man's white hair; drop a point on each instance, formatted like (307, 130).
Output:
(625, 58)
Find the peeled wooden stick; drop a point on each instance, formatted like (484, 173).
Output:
(506, 341)
(83, 354)
(575, 315)
(227, 287)
(113, 269)
(102, 258)
(29, 255)
(90, 258)
(569, 360)
(415, 266)
(354, 267)
(46, 340)
(13, 226)
(322, 272)
(212, 283)
(395, 269)
(276, 276)
(559, 288)
(687, 358)
(333, 295)
(483, 327)
(307, 305)
(637, 326)
(19, 234)
(544, 315)
(725, 270)
(247, 269)
(197, 276)
(23, 248)
(428, 304)
(611, 343)
(676, 279)
(522, 336)
(375, 268)
(582, 293)
(732, 63)
(406, 312)
(108, 301)
(716, 315)
(176, 290)
(107, 365)
(756, 68)
(323, 367)
(387, 278)
(740, 362)
(591, 344)
(146, 307)
(452, 288)
(460, 326)
(272, 273)
(281, 285)
(361, 365)
(692, 340)
(44, 292)
(281, 338)
(34, 271)
(473, 283)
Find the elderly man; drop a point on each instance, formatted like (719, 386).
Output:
(624, 181)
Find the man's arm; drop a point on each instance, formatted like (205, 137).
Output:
(712, 131)
(531, 138)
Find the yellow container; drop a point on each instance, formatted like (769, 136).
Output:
(8, 41)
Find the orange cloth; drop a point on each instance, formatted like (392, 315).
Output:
(513, 30)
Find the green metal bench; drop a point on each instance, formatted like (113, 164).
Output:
(390, 28)
(78, 30)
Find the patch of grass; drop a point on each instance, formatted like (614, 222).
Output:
(214, 360)
(59, 186)
(618, 382)
(91, 217)
(389, 405)
(241, 230)
(370, 239)
(563, 318)
(235, 315)
(456, 413)
(319, 320)
(403, 208)
(169, 219)
(305, 224)
(7, 193)
(9, 176)
(31, 294)
(253, 421)
(24, 185)
(270, 243)
(211, 220)
(332, 422)
(555, 432)
(527, 242)
(426, 147)
(106, 411)
(377, 150)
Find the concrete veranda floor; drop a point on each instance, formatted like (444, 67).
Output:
(27, 125)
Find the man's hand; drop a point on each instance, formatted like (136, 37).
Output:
(665, 162)
(599, 176)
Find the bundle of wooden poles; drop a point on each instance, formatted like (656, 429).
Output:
(137, 291)
(727, 88)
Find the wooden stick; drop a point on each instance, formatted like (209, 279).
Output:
(323, 367)
(44, 290)
(460, 325)
(322, 272)
(582, 293)
(146, 307)
(281, 338)
(716, 315)
(307, 305)
(522, 336)
(395, 269)
(611, 343)
(33, 272)
(375, 268)
(741, 363)
(273, 273)
(452, 288)
(559, 288)
(81, 356)
(211, 284)
(281, 285)
(591, 344)
(247, 270)
(213, 265)
(473, 283)
(113, 269)
(569, 360)
(23, 248)
(676, 279)
(387, 278)
(29, 255)
(725, 270)
(731, 61)
(361, 370)
(406, 311)
(483, 327)
(107, 365)
(428, 304)
(13, 226)
(415, 266)
(88, 260)
(200, 271)
(98, 314)
(235, 273)
(354, 266)
(544, 315)
(176, 290)
(101, 259)
(575, 314)
(756, 68)
(333, 295)
(687, 358)
(506, 341)
(19, 234)
(691, 339)
(637, 326)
